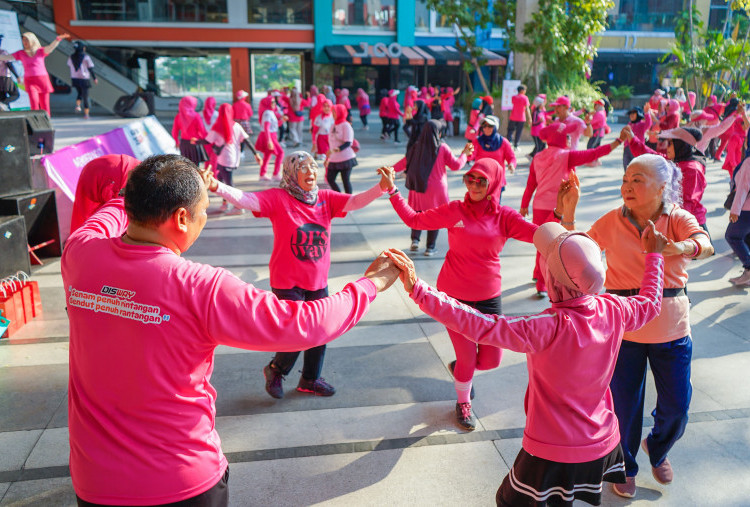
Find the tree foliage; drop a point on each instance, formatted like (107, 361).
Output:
(559, 39)
(194, 74)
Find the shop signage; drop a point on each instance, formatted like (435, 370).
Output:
(380, 50)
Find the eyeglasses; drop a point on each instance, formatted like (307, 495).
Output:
(471, 180)
(306, 168)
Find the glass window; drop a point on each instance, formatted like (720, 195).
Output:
(421, 16)
(367, 14)
(288, 12)
(646, 15)
(158, 11)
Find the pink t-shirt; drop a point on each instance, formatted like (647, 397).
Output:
(301, 254)
(620, 240)
(144, 323)
(471, 270)
(520, 103)
(571, 351)
(32, 65)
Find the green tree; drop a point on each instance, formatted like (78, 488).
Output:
(275, 71)
(560, 39)
(194, 74)
(469, 16)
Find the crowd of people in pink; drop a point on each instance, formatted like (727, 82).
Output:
(135, 363)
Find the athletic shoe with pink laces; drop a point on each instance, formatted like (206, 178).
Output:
(318, 387)
(465, 416)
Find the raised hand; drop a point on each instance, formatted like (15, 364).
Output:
(387, 177)
(382, 272)
(207, 176)
(468, 149)
(652, 241)
(408, 274)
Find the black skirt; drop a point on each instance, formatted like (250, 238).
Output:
(342, 166)
(196, 153)
(536, 481)
(81, 83)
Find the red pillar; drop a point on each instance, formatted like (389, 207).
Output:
(240, 58)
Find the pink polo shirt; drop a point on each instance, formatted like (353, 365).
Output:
(620, 240)
(301, 255)
(144, 324)
(520, 103)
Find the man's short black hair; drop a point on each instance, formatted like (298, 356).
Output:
(521, 88)
(159, 186)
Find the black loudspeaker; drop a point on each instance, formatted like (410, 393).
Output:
(39, 129)
(131, 106)
(39, 210)
(15, 165)
(14, 255)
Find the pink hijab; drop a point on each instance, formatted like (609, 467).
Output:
(100, 180)
(209, 106)
(186, 111)
(490, 169)
(571, 262)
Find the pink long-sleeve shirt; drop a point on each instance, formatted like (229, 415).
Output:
(437, 184)
(549, 167)
(471, 270)
(144, 323)
(571, 353)
(639, 128)
(194, 130)
(742, 181)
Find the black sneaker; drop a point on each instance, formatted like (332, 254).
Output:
(429, 252)
(465, 416)
(273, 381)
(451, 367)
(318, 387)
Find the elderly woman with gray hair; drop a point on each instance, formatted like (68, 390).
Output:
(651, 191)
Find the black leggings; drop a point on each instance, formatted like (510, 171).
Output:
(82, 88)
(538, 145)
(224, 174)
(345, 175)
(594, 142)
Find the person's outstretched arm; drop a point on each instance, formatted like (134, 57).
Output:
(362, 199)
(238, 198)
(52, 45)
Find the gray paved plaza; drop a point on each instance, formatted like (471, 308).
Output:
(388, 436)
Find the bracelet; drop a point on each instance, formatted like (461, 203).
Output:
(568, 223)
(393, 191)
(697, 250)
(557, 214)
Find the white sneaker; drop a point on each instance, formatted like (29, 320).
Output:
(743, 279)
(264, 178)
(223, 207)
(276, 177)
(78, 109)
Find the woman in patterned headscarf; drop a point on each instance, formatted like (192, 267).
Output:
(301, 216)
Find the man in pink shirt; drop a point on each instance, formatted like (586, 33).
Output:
(519, 115)
(144, 323)
(562, 110)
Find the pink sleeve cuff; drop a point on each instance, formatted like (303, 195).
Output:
(368, 287)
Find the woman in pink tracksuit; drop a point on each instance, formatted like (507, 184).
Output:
(548, 168)
(268, 140)
(478, 227)
(571, 441)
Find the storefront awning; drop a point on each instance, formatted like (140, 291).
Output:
(403, 55)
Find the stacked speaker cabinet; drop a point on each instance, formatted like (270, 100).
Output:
(15, 164)
(41, 134)
(38, 208)
(14, 255)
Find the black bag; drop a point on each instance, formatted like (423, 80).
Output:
(8, 90)
(217, 149)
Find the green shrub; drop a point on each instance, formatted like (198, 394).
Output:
(623, 92)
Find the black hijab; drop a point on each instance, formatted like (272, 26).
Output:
(77, 57)
(730, 108)
(638, 112)
(419, 118)
(421, 157)
(684, 152)
(486, 108)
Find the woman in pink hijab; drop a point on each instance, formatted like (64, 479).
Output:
(209, 108)
(100, 180)
(188, 131)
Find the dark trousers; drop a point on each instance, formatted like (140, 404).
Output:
(738, 235)
(363, 117)
(392, 126)
(345, 178)
(224, 174)
(594, 142)
(431, 237)
(670, 365)
(627, 156)
(538, 145)
(217, 496)
(82, 89)
(313, 360)
(515, 128)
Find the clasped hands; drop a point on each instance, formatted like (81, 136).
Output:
(390, 265)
